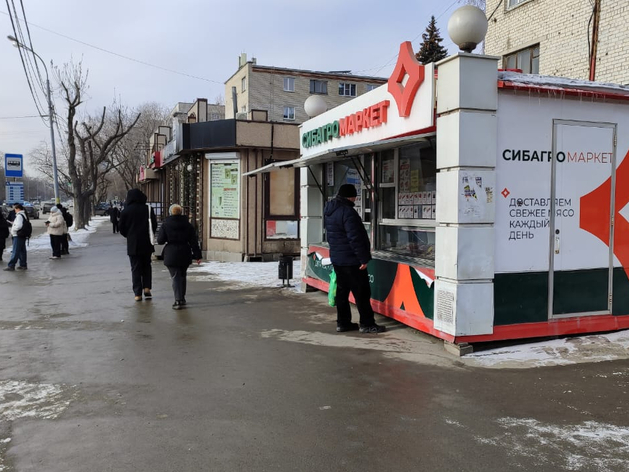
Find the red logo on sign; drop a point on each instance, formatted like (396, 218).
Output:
(595, 207)
(505, 192)
(407, 65)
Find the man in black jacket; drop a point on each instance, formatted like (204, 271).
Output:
(134, 225)
(350, 252)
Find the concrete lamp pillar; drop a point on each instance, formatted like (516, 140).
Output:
(466, 159)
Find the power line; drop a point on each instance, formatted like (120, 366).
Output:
(30, 42)
(18, 117)
(125, 57)
(30, 86)
(413, 40)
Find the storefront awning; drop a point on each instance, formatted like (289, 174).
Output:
(337, 154)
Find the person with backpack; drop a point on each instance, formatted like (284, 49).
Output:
(21, 230)
(56, 228)
(65, 241)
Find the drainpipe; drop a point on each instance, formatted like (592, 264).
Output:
(596, 21)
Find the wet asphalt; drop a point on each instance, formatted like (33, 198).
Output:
(257, 379)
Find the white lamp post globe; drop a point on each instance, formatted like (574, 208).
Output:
(315, 105)
(467, 27)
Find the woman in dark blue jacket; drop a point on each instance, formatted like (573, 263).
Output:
(350, 251)
(181, 247)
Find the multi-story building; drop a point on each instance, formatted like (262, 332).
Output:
(580, 39)
(282, 92)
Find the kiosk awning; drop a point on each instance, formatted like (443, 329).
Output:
(341, 153)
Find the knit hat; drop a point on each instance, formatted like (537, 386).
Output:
(54, 209)
(347, 191)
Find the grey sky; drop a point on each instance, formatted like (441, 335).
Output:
(199, 38)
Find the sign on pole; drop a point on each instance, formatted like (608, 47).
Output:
(15, 192)
(13, 165)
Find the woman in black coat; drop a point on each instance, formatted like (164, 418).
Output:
(181, 247)
(134, 225)
(4, 233)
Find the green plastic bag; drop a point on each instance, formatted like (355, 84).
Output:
(332, 290)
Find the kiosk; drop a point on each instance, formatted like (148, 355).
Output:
(496, 202)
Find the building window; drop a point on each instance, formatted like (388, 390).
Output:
(515, 3)
(526, 60)
(244, 84)
(289, 84)
(347, 90)
(289, 113)
(319, 86)
(282, 204)
(371, 87)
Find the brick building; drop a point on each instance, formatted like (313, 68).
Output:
(282, 92)
(555, 38)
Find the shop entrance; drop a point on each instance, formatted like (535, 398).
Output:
(581, 265)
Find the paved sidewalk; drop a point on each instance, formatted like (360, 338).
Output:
(255, 379)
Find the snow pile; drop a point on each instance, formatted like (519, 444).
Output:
(79, 237)
(561, 82)
(262, 274)
(574, 350)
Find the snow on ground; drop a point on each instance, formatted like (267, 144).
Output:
(572, 350)
(262, 274)
(79, 238)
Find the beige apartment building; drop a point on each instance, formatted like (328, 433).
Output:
(282, 92)
(580, 39)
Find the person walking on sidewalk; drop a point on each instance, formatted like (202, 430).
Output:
(19, 242)
(56, 228)
(350, 252)
(114, 216)
(181, 248)
(138, 224)
(65, 241)
(4, 234)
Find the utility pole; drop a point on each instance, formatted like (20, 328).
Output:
(51, 113)
(595, 25)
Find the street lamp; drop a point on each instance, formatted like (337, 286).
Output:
(17, 44)
(467, 27)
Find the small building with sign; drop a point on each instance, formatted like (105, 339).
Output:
(496, 202)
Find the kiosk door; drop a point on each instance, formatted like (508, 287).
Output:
(581, 265)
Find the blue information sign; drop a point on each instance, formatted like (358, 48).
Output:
(15, 192)
(13, 165)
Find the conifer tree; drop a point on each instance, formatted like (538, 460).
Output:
(431, 49)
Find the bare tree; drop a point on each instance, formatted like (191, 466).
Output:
(477, 3)
(88, 144)
(132, 150)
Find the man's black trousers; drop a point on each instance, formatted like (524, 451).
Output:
(352, 279)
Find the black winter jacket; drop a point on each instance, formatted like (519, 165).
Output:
(181, 241)
(347, 237)
(134, 224)
(4, 228)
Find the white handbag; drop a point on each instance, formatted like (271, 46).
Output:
(151, 233)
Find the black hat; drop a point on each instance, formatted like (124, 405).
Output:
(347, 191)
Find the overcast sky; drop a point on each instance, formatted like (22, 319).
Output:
(201, 38)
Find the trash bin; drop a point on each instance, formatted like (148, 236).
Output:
(285, 268)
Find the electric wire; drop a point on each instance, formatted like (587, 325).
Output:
(30, 41)
(31, 60)
(172, 71)
(30, 86)
(390, 61)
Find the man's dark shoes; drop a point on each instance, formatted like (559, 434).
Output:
(177, 305)
(22, 268)
(373, 329)
(147, 294)
(9, 268)
(346, 327)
